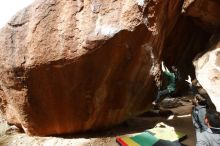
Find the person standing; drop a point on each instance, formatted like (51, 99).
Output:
(211, 136)
(199, 108)
(206, 120)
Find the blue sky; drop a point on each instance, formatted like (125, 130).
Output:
(8, 8)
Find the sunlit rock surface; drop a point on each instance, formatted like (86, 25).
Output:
(206, 15)
(70, 66)
(208, 73)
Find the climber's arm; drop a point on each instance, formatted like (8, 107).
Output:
(164, 68)
(189, 80)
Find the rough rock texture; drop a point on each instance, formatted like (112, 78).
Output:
(71, 66)
(206, 15)
(208, 72)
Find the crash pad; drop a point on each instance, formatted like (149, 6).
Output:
(142, 139)
(161, 134)
(165, 132)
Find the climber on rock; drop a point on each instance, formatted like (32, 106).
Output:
(171, 78)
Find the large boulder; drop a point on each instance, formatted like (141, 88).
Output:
(207, 64)
(208, 72)
(71, 66)
(205, 13)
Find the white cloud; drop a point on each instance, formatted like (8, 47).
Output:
(8, 8)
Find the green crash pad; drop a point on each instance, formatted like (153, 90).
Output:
(145, 139)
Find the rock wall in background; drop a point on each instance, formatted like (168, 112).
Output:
(207, 64)
(208, 73)
(75, 65)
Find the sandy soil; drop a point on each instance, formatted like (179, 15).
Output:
(107, 137)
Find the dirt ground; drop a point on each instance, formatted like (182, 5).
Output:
(181, 122)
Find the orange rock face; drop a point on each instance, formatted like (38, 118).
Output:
(205, 13)
(70, 66)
